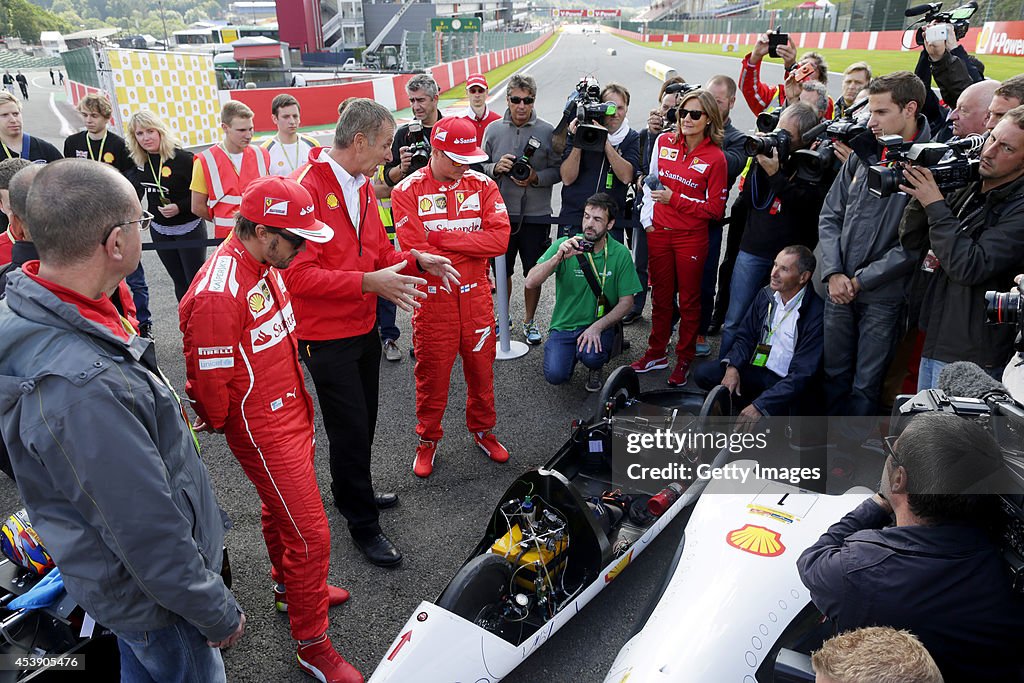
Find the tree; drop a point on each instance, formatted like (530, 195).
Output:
(21, 18)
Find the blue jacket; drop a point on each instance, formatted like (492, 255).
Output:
(944, 583)
(807, 356)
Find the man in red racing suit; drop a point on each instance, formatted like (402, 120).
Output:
(458, 213)
(243, 373)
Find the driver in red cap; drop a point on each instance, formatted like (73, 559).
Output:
(450, 210)
(244, 377)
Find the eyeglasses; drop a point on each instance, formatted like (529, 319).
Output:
(143, 222)
(515, 99)
(289, 237)
(889, 446)
(694, 114)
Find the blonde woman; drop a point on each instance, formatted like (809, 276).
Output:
(165, 172)
(684, 191)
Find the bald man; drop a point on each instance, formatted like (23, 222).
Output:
(972, 108)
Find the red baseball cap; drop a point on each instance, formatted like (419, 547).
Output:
(279, 202)
(456, 137)
(478, 80)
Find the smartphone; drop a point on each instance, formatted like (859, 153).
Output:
(936, 34)
(803, 72)
(775, 38)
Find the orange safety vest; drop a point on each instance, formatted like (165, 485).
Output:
(224, 185)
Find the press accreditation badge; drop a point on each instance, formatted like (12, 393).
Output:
(930, 263)
(761, 354)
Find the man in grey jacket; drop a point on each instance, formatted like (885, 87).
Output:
(861, 259)
(132, 523)
(528, 195)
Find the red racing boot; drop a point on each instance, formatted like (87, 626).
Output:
(423, 464)
(335, 596)
(320, 660)
(489, 444)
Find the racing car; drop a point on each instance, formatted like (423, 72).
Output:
(556, 538)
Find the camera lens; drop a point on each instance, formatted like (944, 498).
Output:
(1002, 307)
(755, 145)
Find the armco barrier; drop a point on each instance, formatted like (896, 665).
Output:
(319, 103)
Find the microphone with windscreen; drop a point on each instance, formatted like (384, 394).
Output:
(968, 380)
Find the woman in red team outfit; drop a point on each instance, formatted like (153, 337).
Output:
(684, 191)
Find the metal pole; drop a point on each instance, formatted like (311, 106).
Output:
(507, 349)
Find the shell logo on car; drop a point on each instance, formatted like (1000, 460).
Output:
(756, 540)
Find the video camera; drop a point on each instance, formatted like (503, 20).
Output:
(950, 174)
(932, 11)
(813, 163)
(521, 169)
(419, 146)
(585, 106)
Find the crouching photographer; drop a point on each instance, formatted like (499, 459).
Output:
(975, 241)
(780, 199)
(601, 154)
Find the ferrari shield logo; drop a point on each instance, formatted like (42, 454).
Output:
(467, 201)
(698, 165)
(756, 540)
(668, 153)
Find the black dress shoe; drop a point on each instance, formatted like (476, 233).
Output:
(385, 500)
(714, 328)
(379, 550)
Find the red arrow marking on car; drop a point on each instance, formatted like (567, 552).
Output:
(406, 637)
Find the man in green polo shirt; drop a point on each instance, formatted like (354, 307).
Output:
(583, 323)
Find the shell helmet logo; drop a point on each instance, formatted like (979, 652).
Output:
(756, 540)
(425, 205)
(257, 303)
(332, 201)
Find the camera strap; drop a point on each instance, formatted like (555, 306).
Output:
(589, 268)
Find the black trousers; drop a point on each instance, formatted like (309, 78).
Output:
(182, 264)
(346, 373)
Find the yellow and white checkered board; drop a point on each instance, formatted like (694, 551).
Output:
(179, 87)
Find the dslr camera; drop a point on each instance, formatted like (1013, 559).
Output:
(949, 163)
(672, 115)
(1004, 308)
(778, 142)
(585, 106)
(419, 146)
(521, 169)
(932, 11)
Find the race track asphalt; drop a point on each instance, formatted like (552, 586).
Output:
(440, 519)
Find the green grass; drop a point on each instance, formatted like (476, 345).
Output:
(881, 61)
(496, 76)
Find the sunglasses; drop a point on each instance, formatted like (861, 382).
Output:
(694, 114)
(289, 237)
(477, 91)
(889, 446)
(143, 222)
(515, 99)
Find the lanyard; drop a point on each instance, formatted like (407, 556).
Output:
(25, 141)
(157, 175)
(284, 150)
(88, 146)
(773, 330)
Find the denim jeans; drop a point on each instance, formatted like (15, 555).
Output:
(175, 654)
(748, 276)
(710, 277)
(140, 294)
(386, 320)
(860, 340)
(928, 373)
(561, 354)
